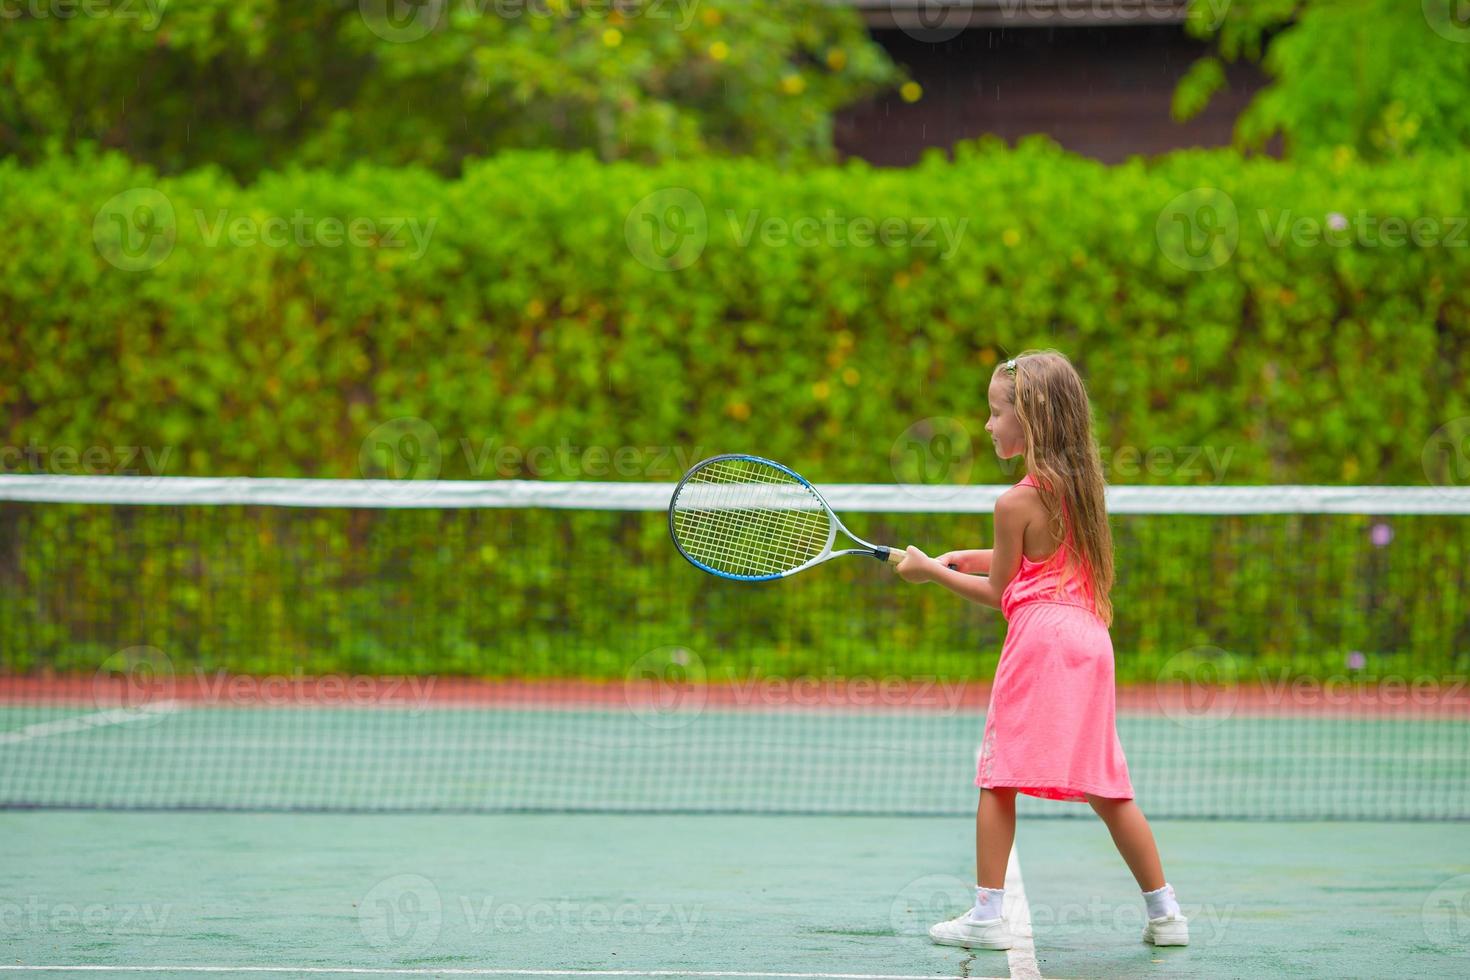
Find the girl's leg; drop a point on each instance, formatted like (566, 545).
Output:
(995, 831)
(983, 926)
(1166, 926)
(1134, 839)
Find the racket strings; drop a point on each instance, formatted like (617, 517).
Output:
(751, 542)
(745, 517)
(752, 516)
(734, 544)
(785, 527)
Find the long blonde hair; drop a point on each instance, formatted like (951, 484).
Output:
(1062, 455)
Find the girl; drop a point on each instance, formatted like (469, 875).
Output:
(1049, 730)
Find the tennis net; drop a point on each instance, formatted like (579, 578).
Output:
(1282, 652)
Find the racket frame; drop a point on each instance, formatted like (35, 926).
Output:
(880, 552)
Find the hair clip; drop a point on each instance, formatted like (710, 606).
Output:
(1011, 365)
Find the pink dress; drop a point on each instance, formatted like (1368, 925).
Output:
(1050, 731)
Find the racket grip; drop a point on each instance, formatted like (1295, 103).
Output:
(893, 556)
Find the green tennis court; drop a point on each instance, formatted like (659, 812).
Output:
(664, 895)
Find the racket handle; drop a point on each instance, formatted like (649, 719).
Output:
(893, 556)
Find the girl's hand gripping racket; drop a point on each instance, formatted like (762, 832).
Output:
(750, 519)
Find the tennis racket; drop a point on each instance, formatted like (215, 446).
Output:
(753, 520)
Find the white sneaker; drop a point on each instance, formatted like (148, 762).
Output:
(1167, 930)
(965, 931)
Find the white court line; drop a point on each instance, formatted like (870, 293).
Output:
(1021, 957)
(471, 972)
(82, 723)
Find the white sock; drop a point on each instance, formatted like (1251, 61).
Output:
(1161, 902)
(988, 904)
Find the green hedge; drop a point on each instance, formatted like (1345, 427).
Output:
(528, 319)
(538, 315)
